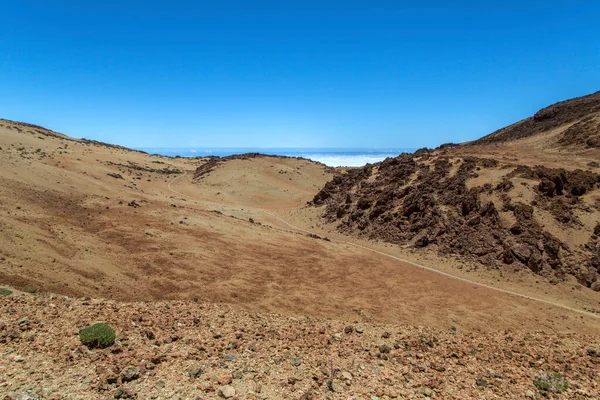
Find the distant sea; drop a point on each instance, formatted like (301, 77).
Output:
(332, 157)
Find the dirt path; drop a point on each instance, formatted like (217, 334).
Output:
(430, 269)
(175, 191)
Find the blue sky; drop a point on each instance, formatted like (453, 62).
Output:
(292, 74)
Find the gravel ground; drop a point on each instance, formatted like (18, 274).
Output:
(188, 350)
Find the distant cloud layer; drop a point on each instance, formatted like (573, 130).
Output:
(353, 160)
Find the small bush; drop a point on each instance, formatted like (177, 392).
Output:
(97, 336)
(5, 292)
(554, 383)
(30, 289)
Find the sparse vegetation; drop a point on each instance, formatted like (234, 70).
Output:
(97, 336)
(30, 289)
(551, 383)
(5, 292)
(592, 352)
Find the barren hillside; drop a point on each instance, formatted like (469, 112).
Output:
(577, 122)
(215, 273)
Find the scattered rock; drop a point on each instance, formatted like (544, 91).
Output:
(296, 361)
(194, 371)
(23, 396)
(124, 393)
(227, 391)
(384, 349)
(346, 376)
(530, 394)
(129, 374)
(225, 379)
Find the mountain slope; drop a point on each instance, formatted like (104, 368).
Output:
(579, 118)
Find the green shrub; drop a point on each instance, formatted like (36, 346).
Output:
(30, 289)
(555, 383)
(97, 336)
(5, 292)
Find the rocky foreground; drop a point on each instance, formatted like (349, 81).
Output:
(189, 350)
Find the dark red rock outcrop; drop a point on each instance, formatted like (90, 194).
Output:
(425, 201)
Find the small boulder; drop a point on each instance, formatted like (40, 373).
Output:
(295, 361)
(384, 349)
(194, 371)
(521, 252)
(124, 393)
(129, 374)
(227, 391)
(547, 187)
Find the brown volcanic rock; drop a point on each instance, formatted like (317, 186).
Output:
(559, 180)
(420, 202)
(584, 133)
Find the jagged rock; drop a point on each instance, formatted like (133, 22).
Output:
(523, 212)
(129, 374)
(124, 393)
(516, 229)
(522, 252)
(421, 239)
(384, 349)
(194, 371)
(547, 187)
(535, 261)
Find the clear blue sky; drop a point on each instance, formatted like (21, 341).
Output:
(292, 74)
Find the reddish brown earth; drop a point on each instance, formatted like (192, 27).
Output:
(180, 349)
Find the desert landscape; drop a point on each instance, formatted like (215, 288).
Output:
(466, 271)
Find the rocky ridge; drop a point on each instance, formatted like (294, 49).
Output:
(427, 200)
(580, 115)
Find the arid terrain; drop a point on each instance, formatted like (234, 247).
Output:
(467, 271)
